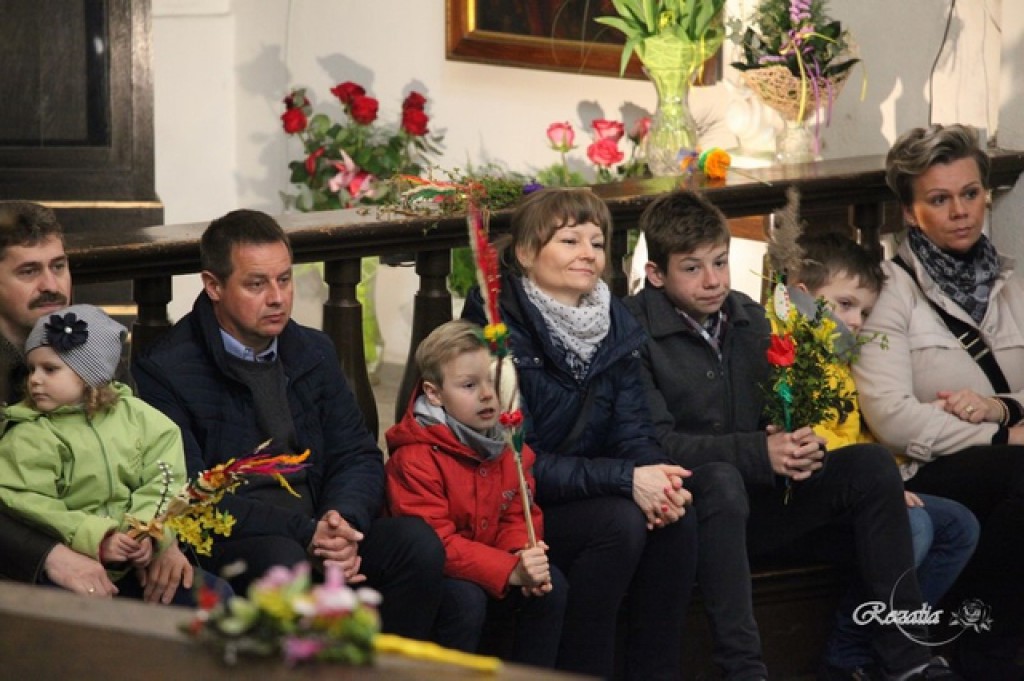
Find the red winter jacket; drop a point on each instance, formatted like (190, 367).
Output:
(473, 505)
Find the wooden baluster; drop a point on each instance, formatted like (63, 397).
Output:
(618, 282)
(431, 308)
(868, 218)
(152, 296)
(343, 322)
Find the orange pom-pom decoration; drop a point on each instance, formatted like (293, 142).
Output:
(715, 163)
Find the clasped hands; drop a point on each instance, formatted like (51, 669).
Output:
(160, 574)
(334, 540)
(658, 491)
(795, 455)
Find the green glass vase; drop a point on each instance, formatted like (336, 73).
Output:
(673, 134)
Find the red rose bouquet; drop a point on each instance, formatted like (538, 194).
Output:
(348, 162)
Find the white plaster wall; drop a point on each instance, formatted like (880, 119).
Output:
(194, 87)
(1006, 218)
(221, 68)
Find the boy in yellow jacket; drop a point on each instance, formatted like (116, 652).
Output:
(945, 533)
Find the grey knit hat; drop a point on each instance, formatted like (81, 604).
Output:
(85, 338)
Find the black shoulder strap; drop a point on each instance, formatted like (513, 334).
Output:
(969, 337)
(581, 419)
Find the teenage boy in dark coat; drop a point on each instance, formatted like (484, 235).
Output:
(704, 363)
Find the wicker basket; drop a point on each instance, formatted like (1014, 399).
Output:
(780, 89)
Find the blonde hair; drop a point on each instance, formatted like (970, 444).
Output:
(100, 398)
(444, 344)
(918, 149)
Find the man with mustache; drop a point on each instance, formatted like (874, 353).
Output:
(35, 281)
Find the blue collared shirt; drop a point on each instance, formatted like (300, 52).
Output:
(235, 348)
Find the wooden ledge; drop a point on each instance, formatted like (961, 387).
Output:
(49, 633)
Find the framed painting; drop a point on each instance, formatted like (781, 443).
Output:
(556, 35)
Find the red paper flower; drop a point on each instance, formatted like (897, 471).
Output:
(642, 126)
(561, 136)
(605, 153)
(414, 121)
(353, 160)
(363, 109)
(311, 160)
(511, 419)
(608, 130)
(208, 598)
(347, 91)
(294, 121)
(414, 101)
(782, 351)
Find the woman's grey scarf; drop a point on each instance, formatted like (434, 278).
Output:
(579, 329)
(966, 278)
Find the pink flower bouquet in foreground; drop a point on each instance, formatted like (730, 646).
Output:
(287, 615)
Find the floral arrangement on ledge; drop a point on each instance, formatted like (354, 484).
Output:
(667, 33)
(347, 162)
(603, 152)
(798, 59)
(286, 615)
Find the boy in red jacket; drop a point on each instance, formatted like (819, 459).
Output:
(450, 466)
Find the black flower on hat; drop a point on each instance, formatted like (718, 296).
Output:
(64, 333)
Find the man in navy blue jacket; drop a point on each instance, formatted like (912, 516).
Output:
(237, 371)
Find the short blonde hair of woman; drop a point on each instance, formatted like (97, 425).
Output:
(544, 212)
(919, 149)
(444, 344)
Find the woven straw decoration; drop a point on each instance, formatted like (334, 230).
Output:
(780, 89)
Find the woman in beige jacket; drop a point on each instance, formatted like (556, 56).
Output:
(953, 412)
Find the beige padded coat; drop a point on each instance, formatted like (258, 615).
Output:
(897, 385)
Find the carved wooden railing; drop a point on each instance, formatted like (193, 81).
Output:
(150, 256)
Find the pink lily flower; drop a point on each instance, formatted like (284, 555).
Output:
(347, 171)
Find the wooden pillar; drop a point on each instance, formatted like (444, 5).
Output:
(868, 219)
(618, 282)
(431, 308)
(343, 322)
(151, 296)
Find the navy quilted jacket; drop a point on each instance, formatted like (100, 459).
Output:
(618, 434)
(184, 376)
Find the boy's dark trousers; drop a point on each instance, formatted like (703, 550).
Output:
(465, 608)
